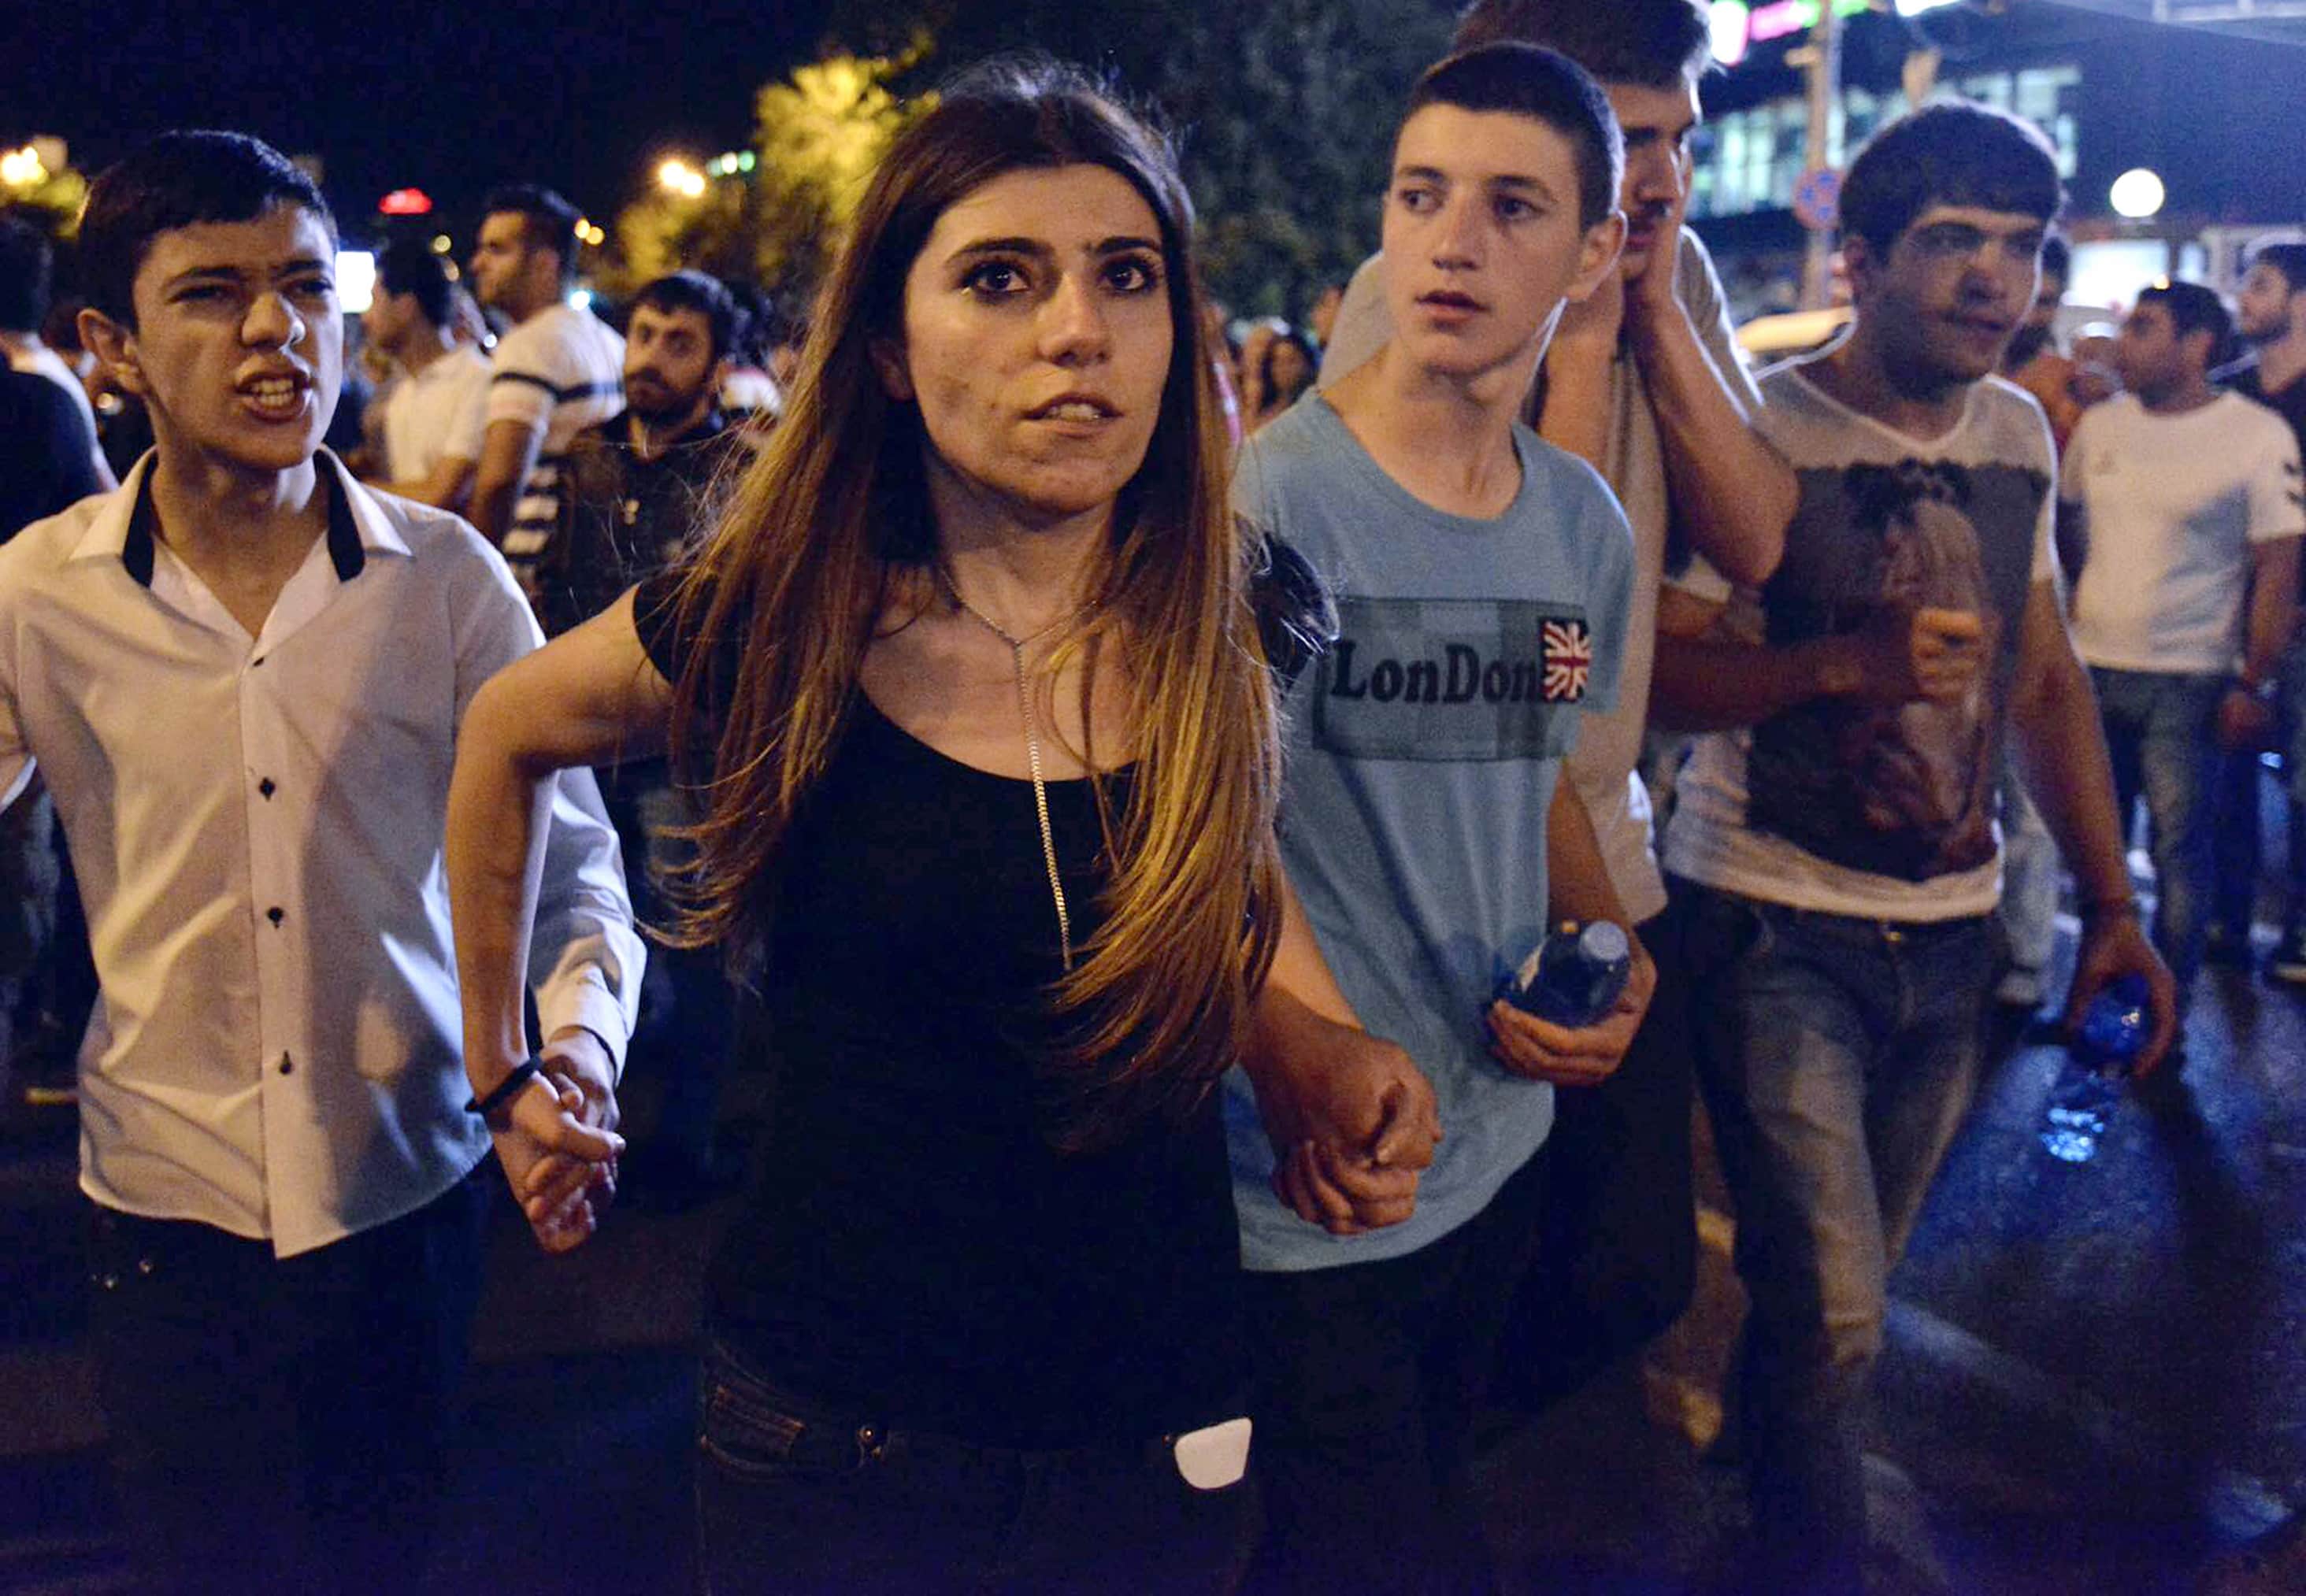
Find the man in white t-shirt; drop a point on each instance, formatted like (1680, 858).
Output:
(2190, 499)
(435, 415)
(558, 371)
(1834, 853)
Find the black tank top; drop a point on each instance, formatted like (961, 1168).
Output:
(917, 1251)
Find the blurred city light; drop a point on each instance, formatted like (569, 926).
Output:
(2137, 193)
(355, 281)
(442, 244)
(22, 168)
(676, 177)
(1729, 20)
(406, 201)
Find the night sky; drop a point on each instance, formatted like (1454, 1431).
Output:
(449, 99)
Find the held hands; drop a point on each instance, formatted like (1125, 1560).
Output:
(1531, 1047)
(1906, 656)
(557, 1141)
(2114, 946)
(1352, 1123)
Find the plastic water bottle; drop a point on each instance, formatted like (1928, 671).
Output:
(1574, 976)
(2112, 1033)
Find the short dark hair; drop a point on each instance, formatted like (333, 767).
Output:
(412, 267)
(27, 264)
(2193, 309)
(1530, 80)
(180, 180)
(2057, 257)
(547, 221)
(702, 293)
(2288, 258)
(1951, 152)
(1655, 43)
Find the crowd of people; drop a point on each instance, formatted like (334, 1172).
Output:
(1126, 768)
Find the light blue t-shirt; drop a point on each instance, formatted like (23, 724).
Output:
(1422, 753)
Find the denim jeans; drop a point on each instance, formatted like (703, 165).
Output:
(2235, 850)
(1617, 1258)
(2161, 730)
(793, 1497)
(2293, 753)
(283, 1424)
(1368, 1379)
(1837, 1057)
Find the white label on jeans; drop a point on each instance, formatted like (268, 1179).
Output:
(1214, 1458)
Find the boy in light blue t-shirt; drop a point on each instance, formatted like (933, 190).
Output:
(1482, 579)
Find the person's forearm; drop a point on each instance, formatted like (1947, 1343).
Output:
(2273, 608)
(1711, 684)
(1730, 490)
(492, 510)
(1577, 415)
(2069, 540)
(1577, 875)
(497, 808)
(1298, 969)
(2061, 750)
(444, 490)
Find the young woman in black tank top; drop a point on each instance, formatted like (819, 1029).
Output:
(968, 681)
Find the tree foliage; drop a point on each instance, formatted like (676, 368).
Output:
(1286, 110)
(1287, 107)
(817, 134)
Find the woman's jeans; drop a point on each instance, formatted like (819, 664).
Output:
(791, 1497)
(1838, 1057)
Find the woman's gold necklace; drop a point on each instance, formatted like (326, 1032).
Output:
(1017, 647)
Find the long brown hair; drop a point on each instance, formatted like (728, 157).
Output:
(836, 514)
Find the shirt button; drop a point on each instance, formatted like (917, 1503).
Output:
(265, 787)
(275, 914)
(287, 1065)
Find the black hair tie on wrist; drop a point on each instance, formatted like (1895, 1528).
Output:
(526, 1070)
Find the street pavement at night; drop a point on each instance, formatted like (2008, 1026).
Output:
(2096, 1380)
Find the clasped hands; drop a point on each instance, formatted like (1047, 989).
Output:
(556, 1139)
(1353, 1122)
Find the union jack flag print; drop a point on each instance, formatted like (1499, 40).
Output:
(1569, 652)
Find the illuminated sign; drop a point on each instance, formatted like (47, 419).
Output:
(1782, 17)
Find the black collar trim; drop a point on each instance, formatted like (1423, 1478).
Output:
(344, 550)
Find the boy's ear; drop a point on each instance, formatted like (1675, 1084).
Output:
(1605, 241)
(115, 348)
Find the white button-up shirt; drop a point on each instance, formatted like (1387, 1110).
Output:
(256, 823)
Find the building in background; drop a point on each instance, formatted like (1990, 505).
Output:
(2203, 108)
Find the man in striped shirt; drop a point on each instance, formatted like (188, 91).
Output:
(558, 371)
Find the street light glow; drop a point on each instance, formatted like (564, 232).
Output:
(22, 168)
(676, 177)
(2137, 193)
